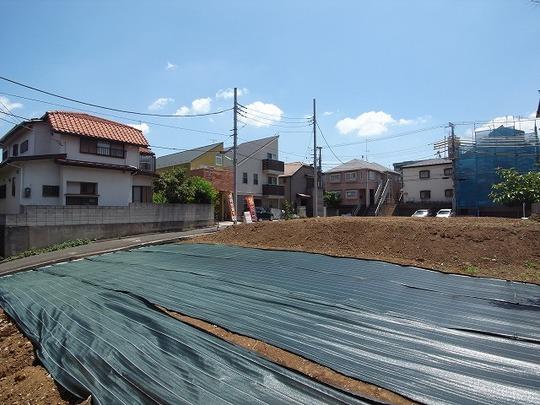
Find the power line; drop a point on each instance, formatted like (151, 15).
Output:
(269, 121)
(325, 141)
(249, 109)
(114, 115)
(111, 108)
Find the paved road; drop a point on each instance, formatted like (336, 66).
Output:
(98, 247)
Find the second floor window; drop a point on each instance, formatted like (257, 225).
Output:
(255, 178)
(24, 146)
(5, 154)
(103, 148)
(335, 178)
(272, 180)
(271, 156)
(372, 175)
(219, 159)
(15, 150)
(448, 171)
(350, 176)
(245, 178)
(424, 174)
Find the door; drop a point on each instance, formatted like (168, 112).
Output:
(371, 196)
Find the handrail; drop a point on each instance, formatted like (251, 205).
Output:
(383, 197)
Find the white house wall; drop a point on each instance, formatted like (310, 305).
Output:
(251, 166)
(437, 184)
(10, 204)
(36, 174)
(72, 146)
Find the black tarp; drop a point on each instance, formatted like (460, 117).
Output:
(436, 338)
(120, 349)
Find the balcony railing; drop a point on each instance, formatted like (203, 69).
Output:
(273, 189)
(273, 165)
(147, 163)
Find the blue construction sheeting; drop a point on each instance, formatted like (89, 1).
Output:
(435, 338)
(476, 164)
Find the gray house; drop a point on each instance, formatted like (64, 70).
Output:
(297, 181)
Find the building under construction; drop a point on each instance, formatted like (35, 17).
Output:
(477, 160)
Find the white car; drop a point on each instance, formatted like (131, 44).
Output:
(421, 213)
(444, 213)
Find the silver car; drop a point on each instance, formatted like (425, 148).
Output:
(421, 213)
(445, 213)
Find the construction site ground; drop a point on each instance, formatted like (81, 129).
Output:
(486, 247)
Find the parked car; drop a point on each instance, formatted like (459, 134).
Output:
(445, 213)
(263, 214)
(421, 213)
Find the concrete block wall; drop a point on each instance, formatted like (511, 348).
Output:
(41, 226)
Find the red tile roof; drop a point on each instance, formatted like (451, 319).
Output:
(94, 127)
(145, 151)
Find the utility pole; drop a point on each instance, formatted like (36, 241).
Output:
(315, 191)
(452, 156)
(235, 161)
(320, 158)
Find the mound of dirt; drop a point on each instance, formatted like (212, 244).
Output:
(490, 247)
(22, 379)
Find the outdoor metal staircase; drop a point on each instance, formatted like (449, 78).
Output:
(380, 198)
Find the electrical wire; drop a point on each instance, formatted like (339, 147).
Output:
(286, 117)
(268, 121)
(73, 100)
(114, 115)
(329, 147)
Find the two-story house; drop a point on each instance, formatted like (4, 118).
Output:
(258, 168)
(208, 162)
(297, 180)
(70, 158)
(428, 183)
(361, 184)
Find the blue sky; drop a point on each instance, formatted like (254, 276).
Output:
(377, 68)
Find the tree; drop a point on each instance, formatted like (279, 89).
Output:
(332, 199)
(167, 186)
(196, 190)
(173, 187)
(288, 211)
(516, 188)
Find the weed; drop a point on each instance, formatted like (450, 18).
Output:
(530, 264)
(52, 248)
(471, 270)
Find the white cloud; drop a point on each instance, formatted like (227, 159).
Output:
(160, 103)
(327, 113)
(226, 94)
(144, 127)
(372, 123)
(198, 106)
(261, 114)
(5, 103)
(170, 66)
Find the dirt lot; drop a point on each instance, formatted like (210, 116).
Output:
(491, 247)
(22, 379)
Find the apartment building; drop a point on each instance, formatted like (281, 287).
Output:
(69, 158)
(258, 169)
(361, 185)
(428, 183)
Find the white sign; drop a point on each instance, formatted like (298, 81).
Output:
(247, 217)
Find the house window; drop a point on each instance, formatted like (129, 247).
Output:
(372, 175)
(142, 194)
(255, 178)
(89, 188)
(50, 191)
(24, 146)
(13, 186)
(350, 176)
(271, 156)
(103, 148)
(449, 192)
(350, 194)
(284, 180)
(81, 200)
(5, 154)
(245, 178)
(448, 171)
(3, 188)
(272, 180)
(425, 195)
(335, 178)
(15, 150)
(424, 174)
(219, 159)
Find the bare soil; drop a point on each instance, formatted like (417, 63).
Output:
(22, 379)
(297, 363)
(485, 247)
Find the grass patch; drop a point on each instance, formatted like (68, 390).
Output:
(471, 270)
(531, 264)
(52, 248)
